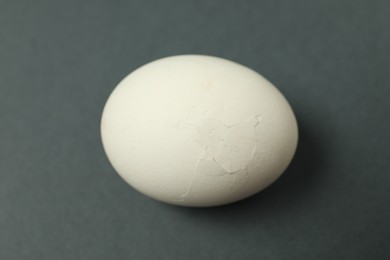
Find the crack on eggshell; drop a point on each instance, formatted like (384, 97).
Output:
(185, 195)
(218, 156)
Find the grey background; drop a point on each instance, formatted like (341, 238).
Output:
(61, 199)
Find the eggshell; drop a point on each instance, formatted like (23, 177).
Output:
(199, 131)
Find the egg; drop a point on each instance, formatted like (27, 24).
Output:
(199, 131)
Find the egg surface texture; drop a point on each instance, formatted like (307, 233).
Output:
(198, 131)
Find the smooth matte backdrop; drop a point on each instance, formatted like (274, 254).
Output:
(61, 199)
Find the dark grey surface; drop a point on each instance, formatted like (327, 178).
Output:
(59, 196)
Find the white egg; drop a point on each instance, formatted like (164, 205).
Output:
(198, 131)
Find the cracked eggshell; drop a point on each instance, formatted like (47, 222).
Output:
(198, 131)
